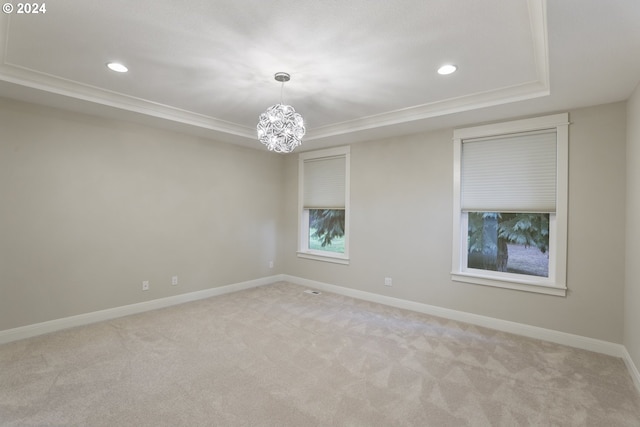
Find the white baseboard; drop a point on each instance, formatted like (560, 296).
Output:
(577, 341)
(112, 313)
(572, 340)
(633, 369)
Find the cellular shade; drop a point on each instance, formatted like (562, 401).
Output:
(513, 173)
(324, 183)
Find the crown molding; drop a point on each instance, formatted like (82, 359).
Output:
(33, 79)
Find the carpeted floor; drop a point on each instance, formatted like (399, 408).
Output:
(277, 356)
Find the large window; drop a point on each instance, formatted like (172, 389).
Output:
(323, 204)
(510, 204)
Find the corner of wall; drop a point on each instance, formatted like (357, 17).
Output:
(631, 338)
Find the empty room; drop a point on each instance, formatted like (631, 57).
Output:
(320, 213)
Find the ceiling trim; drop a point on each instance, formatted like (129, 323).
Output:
(440, 108)
(23, 76)
(534, 89)
(538, 22)
(540, 87)
(35, 80)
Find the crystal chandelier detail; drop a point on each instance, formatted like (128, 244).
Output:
(280, 128)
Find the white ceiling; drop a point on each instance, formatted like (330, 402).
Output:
(360, 69)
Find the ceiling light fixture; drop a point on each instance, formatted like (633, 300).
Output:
(447, 69)
(117, 67)
(280, 128)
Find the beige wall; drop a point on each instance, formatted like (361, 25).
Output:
(401, 219)
(632, 290)
(92, 207)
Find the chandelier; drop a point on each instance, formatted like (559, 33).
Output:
(280, 128)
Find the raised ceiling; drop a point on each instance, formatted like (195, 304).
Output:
(360, 69)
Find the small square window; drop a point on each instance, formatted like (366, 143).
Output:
(326, 230)
(515, 243)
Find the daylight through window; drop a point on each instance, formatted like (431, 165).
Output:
(510, 197)
(324, 205)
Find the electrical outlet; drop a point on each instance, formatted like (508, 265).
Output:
(174, 280)
(270, 264)
(145, 285)
(388, 281)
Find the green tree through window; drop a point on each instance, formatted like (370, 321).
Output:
(326, 226)
(491, 234)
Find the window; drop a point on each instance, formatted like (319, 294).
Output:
(323, 205)
(510, 204)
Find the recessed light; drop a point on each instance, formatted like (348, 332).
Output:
(117, 67)
(447, 69)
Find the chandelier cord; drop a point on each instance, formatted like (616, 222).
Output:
(281, 92)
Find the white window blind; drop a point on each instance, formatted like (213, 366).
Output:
(324, 183)
(514, 173)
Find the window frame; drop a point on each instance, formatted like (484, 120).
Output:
(303, 214)
(555, 283)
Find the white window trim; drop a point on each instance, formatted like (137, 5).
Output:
(555, 284)
(303, 215)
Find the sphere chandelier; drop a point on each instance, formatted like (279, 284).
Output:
(280, 128)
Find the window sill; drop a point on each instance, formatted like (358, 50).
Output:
(325, 258)
(538, 288)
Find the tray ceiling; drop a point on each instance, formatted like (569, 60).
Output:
(358, 68)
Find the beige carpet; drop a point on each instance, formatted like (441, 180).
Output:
(276, 356)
